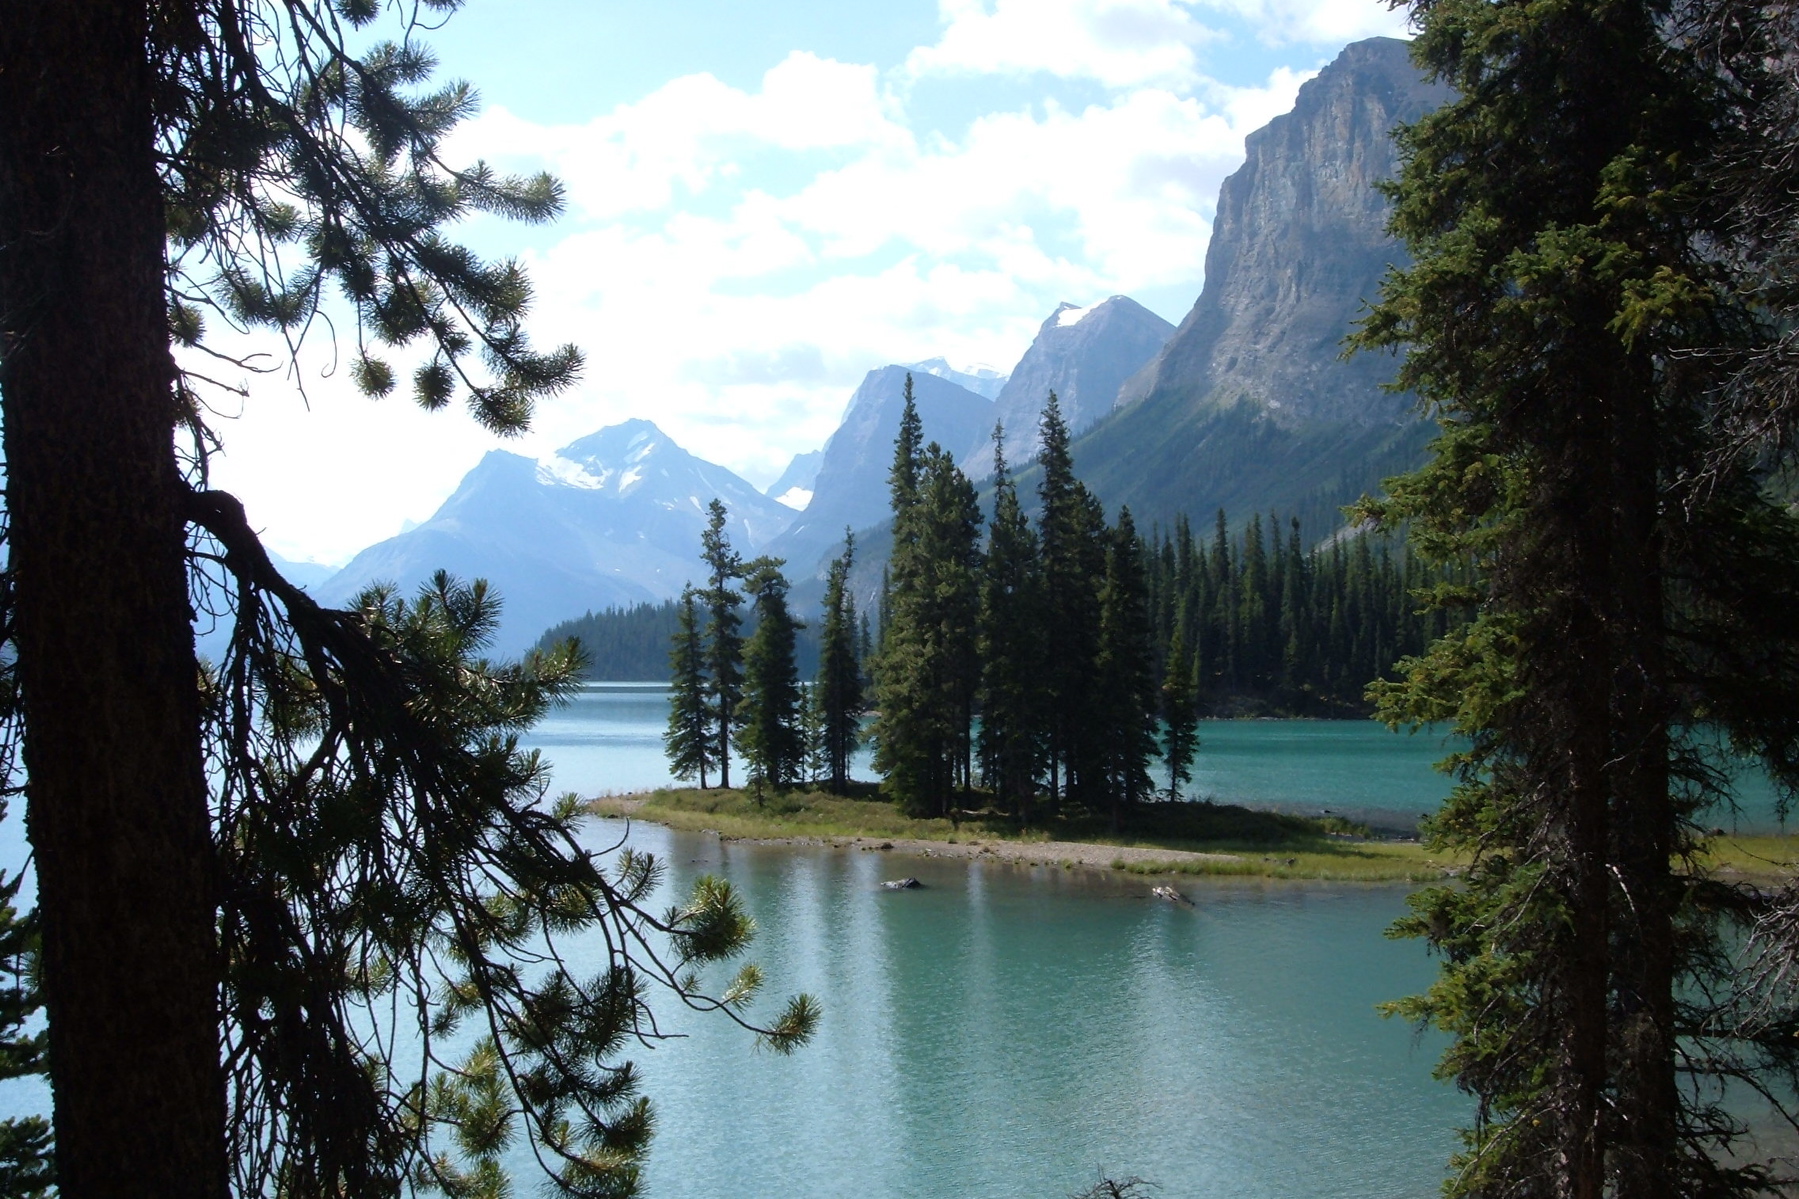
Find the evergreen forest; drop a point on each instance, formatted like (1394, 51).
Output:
(1059, 665)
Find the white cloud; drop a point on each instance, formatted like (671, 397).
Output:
(1319, 22)
(1120, 43)
(734, 260)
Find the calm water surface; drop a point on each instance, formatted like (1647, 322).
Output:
(1006, 1030)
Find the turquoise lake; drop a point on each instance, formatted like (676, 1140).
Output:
(1007, 1031)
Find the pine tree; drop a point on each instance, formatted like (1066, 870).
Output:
(839, 690)
(1011, 649)
(724, 643)
(767, 717)
(1553, 213)
(689, 739)
(161, 165)
(1180, 717)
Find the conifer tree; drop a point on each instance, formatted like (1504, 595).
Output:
(689, 740)
(1623, 593)
(839, 690)
(230, 866)
(1180, 716)
(1011, 649)
(927, 675)
(724, 643)
(767, 717)
(1128, 704)
(1071, 533)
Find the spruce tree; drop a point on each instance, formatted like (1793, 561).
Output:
(1071, 532)
(1128, 705)
(1011, 649)
(838, 690)
(768, 715)
(724, 642)
(927, 673)
(689, 739)
(1622, 596)
(1180, 716)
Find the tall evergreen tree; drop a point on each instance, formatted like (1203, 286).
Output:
(927, 672)
(724, 641)
(1624, 609)
(689, 739)
(1011, 649)
(1128, 705)
(768, 715)
(1071, 536)
(838, 691)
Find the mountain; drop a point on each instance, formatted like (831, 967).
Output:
(611, 519)
(982, 380)
(794, 487)
(851, 489)
(1249, 405)
(1083, 355)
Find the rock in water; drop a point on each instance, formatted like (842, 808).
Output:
(1171, 895)
(901, 884)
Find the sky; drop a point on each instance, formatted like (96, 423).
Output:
(766, 201)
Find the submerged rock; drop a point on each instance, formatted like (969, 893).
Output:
(901, 884)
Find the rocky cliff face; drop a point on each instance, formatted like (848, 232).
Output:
(1083, 355)
(1250, 405)
(1298, 244)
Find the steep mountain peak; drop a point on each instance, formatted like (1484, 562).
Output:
(1298, 244)
(1081, 354)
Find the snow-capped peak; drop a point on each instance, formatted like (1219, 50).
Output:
(1068, 315)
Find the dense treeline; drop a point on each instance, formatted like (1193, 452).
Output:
(1060, 664)
(621, 644)
(1277, 628)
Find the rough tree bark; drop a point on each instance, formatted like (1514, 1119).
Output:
(117, 802)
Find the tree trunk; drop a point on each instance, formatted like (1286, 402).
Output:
(117, 801)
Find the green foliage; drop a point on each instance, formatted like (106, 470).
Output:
(836, 696)
(621, 644)
(688, 739)
(768, 716)
(1562, 321)
(724, 640)
(390, 868)
(926, 670)
(1012, 649)
(1126, 670)
(1180, 716)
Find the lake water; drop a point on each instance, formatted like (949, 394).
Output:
(1007, 1031)
(609, 741)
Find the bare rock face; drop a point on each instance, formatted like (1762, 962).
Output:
(1298, 246)
(1083, 355)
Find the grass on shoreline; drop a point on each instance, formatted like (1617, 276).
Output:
(1266, 844)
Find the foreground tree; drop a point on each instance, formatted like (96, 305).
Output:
(158, 166)
(1180, 716)
(1011, 649)
(1632, 597)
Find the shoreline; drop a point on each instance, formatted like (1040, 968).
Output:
(1346, 859)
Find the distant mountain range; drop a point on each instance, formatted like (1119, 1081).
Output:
(1247, 406)
(612, 519)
